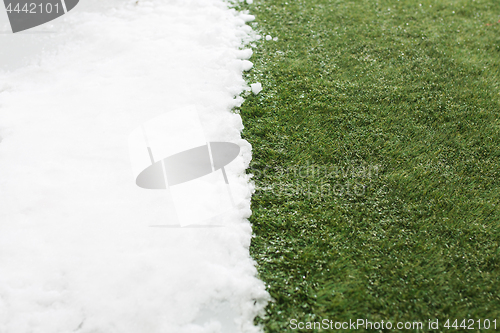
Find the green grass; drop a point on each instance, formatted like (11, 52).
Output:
(396, 107)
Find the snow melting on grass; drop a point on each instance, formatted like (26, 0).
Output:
(76, 250)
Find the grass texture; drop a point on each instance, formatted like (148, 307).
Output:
(376, 159)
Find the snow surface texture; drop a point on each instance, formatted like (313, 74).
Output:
(77, 253)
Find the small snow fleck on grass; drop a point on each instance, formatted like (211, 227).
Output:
(268, 37)
(76, 246)
(256, 88)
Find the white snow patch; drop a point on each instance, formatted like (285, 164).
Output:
(246, 65)
(76, 250)
(247, 17)
(244, 54)
(256, 87)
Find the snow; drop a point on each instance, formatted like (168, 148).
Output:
(77, 250)
(256, 87)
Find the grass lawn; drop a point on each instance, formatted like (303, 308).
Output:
(376, 155)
